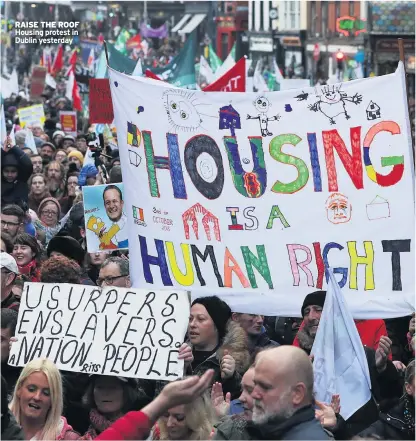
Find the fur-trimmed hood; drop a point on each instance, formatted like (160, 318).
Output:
(235, 342)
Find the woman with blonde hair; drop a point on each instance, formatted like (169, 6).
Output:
(37, 403)
(193, 421)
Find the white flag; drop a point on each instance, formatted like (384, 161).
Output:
(205, 70)
(12, 137)
(30, 142)
(226, 66)
(50, 81)
(70, 85)
(138, 70)
(277, 73)
(258, 80)
(3, 126)
(340, 365)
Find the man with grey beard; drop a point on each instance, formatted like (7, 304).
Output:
(283, 397)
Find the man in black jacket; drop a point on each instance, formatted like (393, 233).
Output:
(385, 380)
(283, 397)
(16, 169)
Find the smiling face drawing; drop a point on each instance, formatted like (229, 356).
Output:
(331, 95)
(338, 209)
(262, 104)
(180, 107)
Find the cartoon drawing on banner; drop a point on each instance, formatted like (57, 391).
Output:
(332, 102)
(134, 158)
(373, 111)
(181, 109)
(302, 96)
(229, 119)
(378, 208)
(140, 109)
(138, 216)
(338, 209)
(134, 135)
(196, 215)
(105, 221)
(262, 104)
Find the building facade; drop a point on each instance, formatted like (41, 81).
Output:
(334, 28)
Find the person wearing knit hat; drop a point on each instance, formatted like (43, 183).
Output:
(217, 343)
(68, 141)
(76, 158)
(58, 137)
(49, 214)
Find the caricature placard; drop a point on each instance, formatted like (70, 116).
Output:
(252, 196)
(105, 218)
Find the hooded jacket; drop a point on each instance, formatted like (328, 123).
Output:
(398, 423)
(235, 342)
(18, 191)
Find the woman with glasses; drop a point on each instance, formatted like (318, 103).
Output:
(49, 214)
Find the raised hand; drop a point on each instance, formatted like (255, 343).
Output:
(227, 366)
(382, 353)
(326, 415)
(221, 406)
(185, 354)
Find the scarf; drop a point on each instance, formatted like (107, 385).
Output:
(50, 232)
(30, 270)
(99, 423)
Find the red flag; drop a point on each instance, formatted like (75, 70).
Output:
(73, 58)
(76, 97)
(58, 62)
(134, 42)
(234, 80)
(150, 74)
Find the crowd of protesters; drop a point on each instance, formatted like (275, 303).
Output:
(247, 376)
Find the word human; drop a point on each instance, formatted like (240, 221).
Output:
(132, 333)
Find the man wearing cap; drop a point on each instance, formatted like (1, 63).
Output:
(385, 380)
(68, 141)
(9, 272)
(76, 158)
(47, 151)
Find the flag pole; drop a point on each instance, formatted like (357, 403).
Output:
(106, 53)
(403, 60)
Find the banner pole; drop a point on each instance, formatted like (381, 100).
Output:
(106, 53)
(403, 60)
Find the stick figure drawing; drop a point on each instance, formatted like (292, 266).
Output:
(262, 105)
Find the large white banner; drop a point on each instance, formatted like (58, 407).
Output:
(111, 331)
(252, 195)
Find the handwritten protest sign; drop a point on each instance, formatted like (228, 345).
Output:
(105, 219)
(31, 115)
(114, 331)
(68, 120)
(101, 106)
(37, 83)
(251, 196)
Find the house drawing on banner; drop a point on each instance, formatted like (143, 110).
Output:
(373, 111)
(378, 208)
(229, 119)
(198, 214)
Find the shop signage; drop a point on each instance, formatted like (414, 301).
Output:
(351, 26)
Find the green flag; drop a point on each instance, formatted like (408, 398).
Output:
(214, 60)
(180, 71)
(121, 41)
(118, 61)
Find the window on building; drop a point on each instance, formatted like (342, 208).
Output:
(324, 17)
(337, 11)
(312, 26)
(352, 9)
(292, 15)
(262, 22)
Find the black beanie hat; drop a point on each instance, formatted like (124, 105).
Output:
(68, 246)
(314, 298)
(218, 310)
